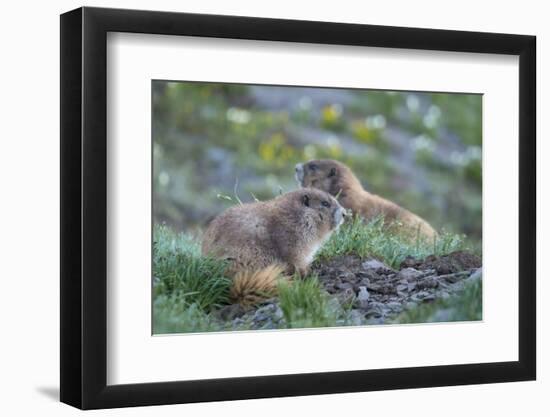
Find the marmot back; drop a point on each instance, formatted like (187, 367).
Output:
(338, 180)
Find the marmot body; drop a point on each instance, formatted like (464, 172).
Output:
(338, 180)
(285, 232)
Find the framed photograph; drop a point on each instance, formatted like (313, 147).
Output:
(258, 208)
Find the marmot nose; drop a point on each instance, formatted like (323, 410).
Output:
(298, 167)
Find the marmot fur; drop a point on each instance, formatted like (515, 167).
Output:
(338, 180)
(263, 240)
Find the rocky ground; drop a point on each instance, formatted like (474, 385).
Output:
(366, 291)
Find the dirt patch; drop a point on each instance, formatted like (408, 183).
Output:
(367, 291)
(375, 292)
(448, 264)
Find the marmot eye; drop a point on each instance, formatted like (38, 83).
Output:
(313, 167)
(325, 204)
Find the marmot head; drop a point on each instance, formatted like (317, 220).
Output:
(328, 175)
(320, 207)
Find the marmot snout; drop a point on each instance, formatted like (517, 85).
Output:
(285, 232)
(338, 180)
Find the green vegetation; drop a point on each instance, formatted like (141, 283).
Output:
(421, 150)
(175, 315)
(305, 304)
(186, 285)
(188, 288)
(373, 239)
(180, 270)
(215, 145)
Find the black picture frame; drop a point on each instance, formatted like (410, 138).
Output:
(84, 207)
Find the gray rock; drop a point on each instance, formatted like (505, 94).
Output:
(363, 298)
(238, 322)
(396, 307)
(419, 296)
(231, 312)
(376, 265)
(364, 282)
(408, 274)
(344, 286)
(278, 314)
(429, 297)
(454, 278)
(428, 282)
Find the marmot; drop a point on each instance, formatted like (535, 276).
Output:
(264, 239)
(338, 180)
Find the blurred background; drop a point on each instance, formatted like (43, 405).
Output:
(214, 143)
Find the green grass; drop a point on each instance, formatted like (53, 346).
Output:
(305, 304)
(373, 239)
(187, 286)
(172, 314)
(464, 307)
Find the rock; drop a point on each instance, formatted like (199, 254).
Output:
(260, 316)
(330, 288)
(428, 282)
(384, 289)
(408, 274)
(373, 264)
(344, 286)
(419, 296)
(396, 307)
(238, 322)
(455, 277)
(376, 266)
(408, 262)
(363, 296)
(278, 314)
(264, 313)
(375, 320)
(230, 312)
(377, 293)
(364, 280)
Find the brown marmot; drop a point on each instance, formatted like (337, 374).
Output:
(264, 239)
(338, 180)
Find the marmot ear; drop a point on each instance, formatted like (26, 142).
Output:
(305, 200)
(332, 172)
